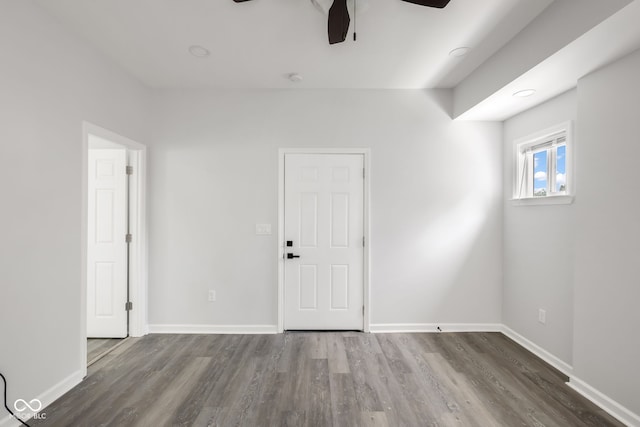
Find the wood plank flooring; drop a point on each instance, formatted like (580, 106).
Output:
(323, 379)
(96, 347)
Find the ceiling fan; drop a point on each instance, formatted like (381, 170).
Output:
(339, 20)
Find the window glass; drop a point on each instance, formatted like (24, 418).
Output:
(561, 168)
(543, 164)
(540, 178)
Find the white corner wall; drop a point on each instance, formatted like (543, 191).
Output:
(539, 245)
(435, 204)
(562, 22)
(49, 84)
(585, 270)
(607, 271)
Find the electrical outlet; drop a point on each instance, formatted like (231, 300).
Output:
(212, 295)
(542, 316)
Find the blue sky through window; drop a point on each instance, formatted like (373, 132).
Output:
(540, 173)
(561, 168)
(541, 168)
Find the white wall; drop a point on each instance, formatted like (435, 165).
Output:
(49, 84)
(539, 245)
(435, 213)
(585, 272)
(607, 272)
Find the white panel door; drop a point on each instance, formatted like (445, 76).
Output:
(107, 247)
(324, 221)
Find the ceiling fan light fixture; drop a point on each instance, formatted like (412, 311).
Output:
(199, 51)
(524, 93)
(459, 52)
(322, 5)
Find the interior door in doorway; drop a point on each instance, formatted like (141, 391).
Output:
(324, 242)
(107, 247)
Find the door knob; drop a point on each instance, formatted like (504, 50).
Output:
(292, 256)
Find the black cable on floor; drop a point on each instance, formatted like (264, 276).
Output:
(5, 402)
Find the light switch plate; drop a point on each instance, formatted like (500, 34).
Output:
(263, 229)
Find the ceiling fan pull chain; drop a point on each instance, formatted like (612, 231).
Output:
(355, 19)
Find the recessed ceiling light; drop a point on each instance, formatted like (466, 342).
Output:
(459, 51)
(294, 77)
(361, 6)
(524, 93)
(199, 51)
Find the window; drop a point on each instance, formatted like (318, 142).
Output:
(543, 164)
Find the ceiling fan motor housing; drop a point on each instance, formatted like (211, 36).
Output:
(339, 20)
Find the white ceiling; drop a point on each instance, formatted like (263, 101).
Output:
(616, 36)
(256, 44)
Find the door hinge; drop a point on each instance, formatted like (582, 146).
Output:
(127, 238)
(363, 245)
(128, 306)
(363, 172)
(363, 310)
(129, 170)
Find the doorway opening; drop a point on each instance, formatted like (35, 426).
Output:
(114, 299)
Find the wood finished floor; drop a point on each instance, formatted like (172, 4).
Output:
(323, 379)
(99, 346)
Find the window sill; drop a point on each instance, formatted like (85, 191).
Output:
(538, 201)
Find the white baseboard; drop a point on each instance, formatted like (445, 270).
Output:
(616, 410)
(142, 331)
(213, 329)
(9, 421)
(46, 398)
(433, 327)
(543, 354)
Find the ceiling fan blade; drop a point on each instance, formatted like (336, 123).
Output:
(240, 1)
(338, 23)
(430, 3)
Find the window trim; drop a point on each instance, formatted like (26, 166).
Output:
(523, 151)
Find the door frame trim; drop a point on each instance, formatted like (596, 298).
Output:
(366, 153)
(137, 154)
